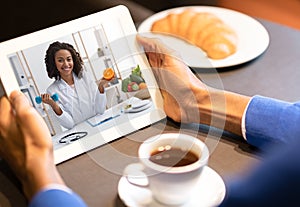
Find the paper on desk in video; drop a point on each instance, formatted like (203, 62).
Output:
(101, 118)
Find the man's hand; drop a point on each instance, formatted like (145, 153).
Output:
(25, 143)
(175, 80)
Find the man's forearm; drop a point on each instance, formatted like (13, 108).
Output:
(221, 109)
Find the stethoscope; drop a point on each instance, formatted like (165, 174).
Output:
(72, 137)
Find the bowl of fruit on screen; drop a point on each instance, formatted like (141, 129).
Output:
(135, 85)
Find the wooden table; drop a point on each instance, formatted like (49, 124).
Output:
(95, 175)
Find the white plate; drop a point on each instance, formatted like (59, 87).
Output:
(253, 38)
(210, 191)
(134, 105)
(135, 109)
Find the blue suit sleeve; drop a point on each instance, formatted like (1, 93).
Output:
(275, 182)
(271, 121)
(55, 198)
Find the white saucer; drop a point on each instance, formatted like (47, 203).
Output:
(209, 192)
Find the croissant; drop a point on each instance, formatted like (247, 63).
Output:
(203, 29)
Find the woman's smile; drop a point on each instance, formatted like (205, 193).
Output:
(67, 68)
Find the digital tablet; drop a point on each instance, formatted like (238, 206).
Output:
(106, 44)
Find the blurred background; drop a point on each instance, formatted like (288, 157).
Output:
(22, 17)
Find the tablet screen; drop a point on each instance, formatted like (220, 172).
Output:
(100, 46)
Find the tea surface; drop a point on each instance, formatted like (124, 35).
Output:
(173, 157)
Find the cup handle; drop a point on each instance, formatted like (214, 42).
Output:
(135, 175)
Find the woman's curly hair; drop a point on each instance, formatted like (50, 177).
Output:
(50, 59)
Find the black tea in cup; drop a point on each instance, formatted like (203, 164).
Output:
(173, 157)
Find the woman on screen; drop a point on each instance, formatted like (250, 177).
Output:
(77, 95)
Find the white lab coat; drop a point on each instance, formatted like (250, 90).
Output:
(79, 104)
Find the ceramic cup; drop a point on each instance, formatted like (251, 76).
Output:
(170, 182)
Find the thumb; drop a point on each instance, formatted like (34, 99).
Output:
(19, 101)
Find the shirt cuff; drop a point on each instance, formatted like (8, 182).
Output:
(243, 125)
(56, 187)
